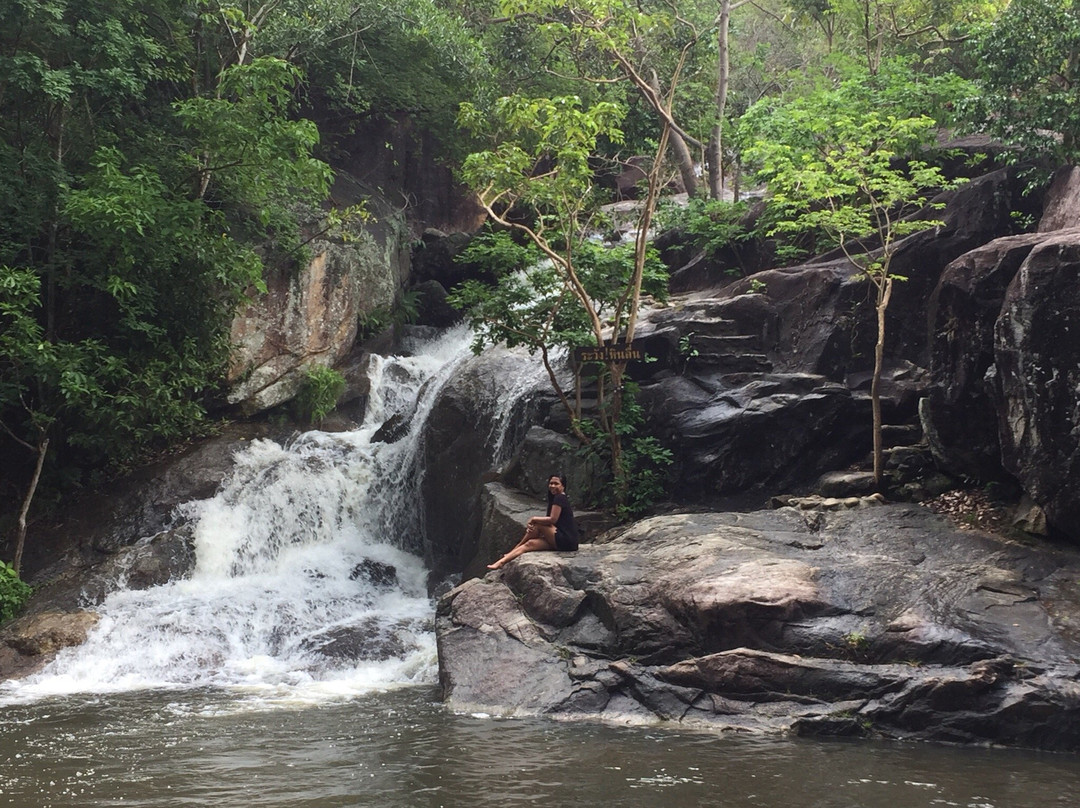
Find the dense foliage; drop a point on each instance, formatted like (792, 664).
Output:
(13, 592)
(153, 152)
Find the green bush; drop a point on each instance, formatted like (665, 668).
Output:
(318, 394)
(14, 592)
(712, 225)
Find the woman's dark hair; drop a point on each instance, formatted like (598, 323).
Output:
(550, 498)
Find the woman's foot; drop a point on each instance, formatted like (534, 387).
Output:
(494, 566)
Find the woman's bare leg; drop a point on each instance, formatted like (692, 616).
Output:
(536, 538)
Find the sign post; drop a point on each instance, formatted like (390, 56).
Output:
(601, 353)
(608, 353)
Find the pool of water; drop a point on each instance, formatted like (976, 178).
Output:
(403, 748)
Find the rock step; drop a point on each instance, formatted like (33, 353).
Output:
(735, 362)
(710, 327)
(728, 342)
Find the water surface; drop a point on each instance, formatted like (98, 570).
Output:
(401, 748)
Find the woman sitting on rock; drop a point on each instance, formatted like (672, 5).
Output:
(555, 531)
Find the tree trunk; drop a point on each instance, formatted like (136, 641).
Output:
(679, 150)
(685, 161)
(714, 157)
(884, 289)
(20, 535)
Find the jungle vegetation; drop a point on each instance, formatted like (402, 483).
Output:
(152, 153)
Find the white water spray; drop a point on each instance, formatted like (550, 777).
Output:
(300, 590)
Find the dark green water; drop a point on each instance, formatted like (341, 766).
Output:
(209, 748)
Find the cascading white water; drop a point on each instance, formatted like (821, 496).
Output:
(300, 590)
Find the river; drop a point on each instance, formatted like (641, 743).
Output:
(401, 749)
(296, 668)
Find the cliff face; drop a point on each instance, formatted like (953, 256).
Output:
(309, 314)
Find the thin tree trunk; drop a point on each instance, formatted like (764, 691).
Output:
(884, 293)
(20, 535)
(715, 156)
(684, 159)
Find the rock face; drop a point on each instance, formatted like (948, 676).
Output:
(1037, 353)
(737, 432)
(960, 416)
(307, 318)
(1003, 405)
(873, 621)
(461, 443)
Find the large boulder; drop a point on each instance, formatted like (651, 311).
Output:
(478, 417)
(731, 433)
(880, 620)
(145, 503)
(504, 513)
(976, 213)
(309, 315)
(1061, 209)
(1037, 355)
(959, 416)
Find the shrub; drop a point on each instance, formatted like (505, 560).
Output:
(14, 592)
(318, 394)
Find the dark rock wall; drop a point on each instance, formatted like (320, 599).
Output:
(1037, 353)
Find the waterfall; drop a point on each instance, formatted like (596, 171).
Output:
(300, 588)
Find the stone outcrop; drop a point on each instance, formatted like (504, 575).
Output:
(1005, 369)
(732, 433)
(959, 416)
(29, 643)
(309, 317)
(1061, 208)
(879, 621)
(142, 504)
(1037, 356)
(474, 414)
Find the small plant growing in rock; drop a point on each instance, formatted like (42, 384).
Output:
(13, 592)
(856, 642)
(318, 393)
(687, 351)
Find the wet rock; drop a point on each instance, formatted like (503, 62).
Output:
(1037, 356)
(393, 429)
(29, 643)
(168, 556)
(432, 306)
(883, 621)
(460, 447)
(376, 573)
(370, 639)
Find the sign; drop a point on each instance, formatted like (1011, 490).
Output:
(608, 353)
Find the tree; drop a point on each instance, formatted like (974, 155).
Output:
(648, 45)
(537, 180)
(1028, 79)
(143, 161)
(847, 171)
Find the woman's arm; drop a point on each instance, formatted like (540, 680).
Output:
(551, 519)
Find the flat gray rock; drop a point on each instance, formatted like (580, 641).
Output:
(885, 621)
